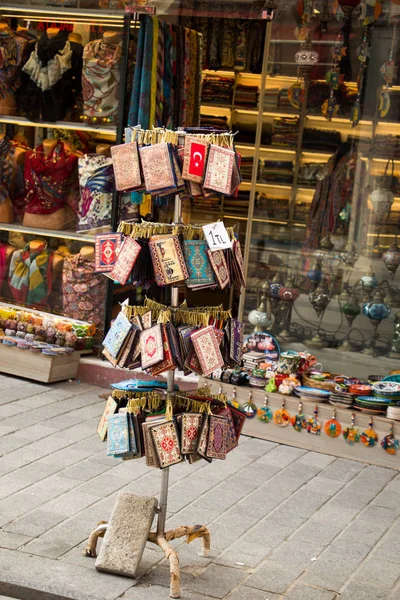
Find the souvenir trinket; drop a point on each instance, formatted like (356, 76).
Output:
(369, 436)
(299, 422)
(332, 427)
(313, 425)
(351, 434)
(281, 416)
(249, 408)
(389, 443)
(264, 413)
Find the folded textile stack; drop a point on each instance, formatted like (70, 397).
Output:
(217, 90)
(321, 140)
(247, 132)
(214, 121)
(271, 99)
(386, 146)
(239, 205)
(212, 204)
(301, 211)
(283, 100)
(275, 171)
(246, 96)
(246, 168)
(285, 132)
(309, 174)
(273, 208)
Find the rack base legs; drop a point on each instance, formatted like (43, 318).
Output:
(191, 533)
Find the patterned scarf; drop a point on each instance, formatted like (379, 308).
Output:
(7, 151)
(12, 48)
(31, 275)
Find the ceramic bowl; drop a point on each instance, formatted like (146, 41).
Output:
(387, 388)
(360, 389)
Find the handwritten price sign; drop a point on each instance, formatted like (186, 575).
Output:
(217, 236)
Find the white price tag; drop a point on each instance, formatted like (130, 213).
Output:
(217, 236)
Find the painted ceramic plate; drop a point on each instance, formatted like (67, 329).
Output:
(303, 390)
(262, 342)
(369, 411)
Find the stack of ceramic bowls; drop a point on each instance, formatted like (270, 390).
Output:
(388, 389)
(341, 398)
(310, 394)
(372, 405)
(393, 412)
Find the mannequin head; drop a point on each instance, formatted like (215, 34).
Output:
(112, 38)
(103, 149)
(87, 253)
(52, 32)
(75, 37)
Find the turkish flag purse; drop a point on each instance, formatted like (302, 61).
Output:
(194, 159)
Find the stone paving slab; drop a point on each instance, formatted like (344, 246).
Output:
(286, 524)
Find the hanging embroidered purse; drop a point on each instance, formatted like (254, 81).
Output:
(126, 166)
(218, 176)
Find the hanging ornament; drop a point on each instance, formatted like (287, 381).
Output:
(351, 434)
(332, 427)
(249, 408)
(384, 104)
(370, 11)
(389, 443)
(264, 413)
(313, 425)
(330, 107)
(296, 94)
(299, 422)
(281, 416)
(369, 436)
(389, 74)
(235, 403)
(389, 71)
(391, 258)
(363, 53)
(306, 58)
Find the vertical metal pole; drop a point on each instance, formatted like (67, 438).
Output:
(162, 515)
(128, 17)
(268, 33)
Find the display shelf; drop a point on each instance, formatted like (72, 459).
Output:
(54, 233)
(110, 130)
(38, 367)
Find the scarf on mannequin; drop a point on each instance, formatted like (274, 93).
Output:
(31, 274)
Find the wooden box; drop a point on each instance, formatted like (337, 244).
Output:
(39, 367)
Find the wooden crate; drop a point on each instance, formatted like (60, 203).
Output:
(39, 367)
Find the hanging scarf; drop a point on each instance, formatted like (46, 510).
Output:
(135, 96)
(3, 265)
(31, 275)
(100, 80)
(7, 152)
(145, 84)
(332, 193)
(12, 49)
(47, 179)
(168, 77)
(154, 58)
(83, 291)
(160, 75)
(96, 186)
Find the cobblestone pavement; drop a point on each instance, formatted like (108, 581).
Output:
(285, 523)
